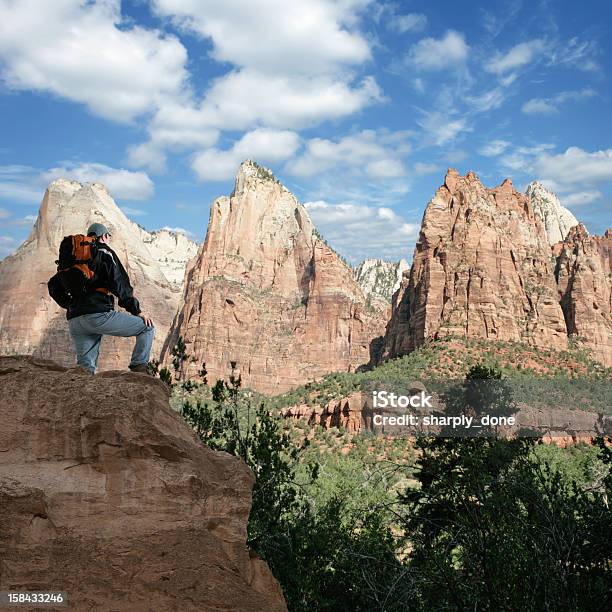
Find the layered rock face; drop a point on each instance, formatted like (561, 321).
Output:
(482, 268)
(267, 293)
(380, 279)
(556, 218)
(31, 322)
(108, 495)
(172, 252)
(584, 276)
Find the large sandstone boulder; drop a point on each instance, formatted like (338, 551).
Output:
(31, 322)
(482, 268)
(584, 277)
(106, 494)
(267, 293)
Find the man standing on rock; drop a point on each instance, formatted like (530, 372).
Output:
(93, 314)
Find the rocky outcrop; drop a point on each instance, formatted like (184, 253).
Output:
(482, 268)
(584, 277)
(171, 250)
(355, 414)
(267, 293)
(380, 279)
(31, 322)
(108, 495)
(557, 219)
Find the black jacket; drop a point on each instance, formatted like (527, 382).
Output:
(110, 274)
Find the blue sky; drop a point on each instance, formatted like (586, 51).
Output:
(357, 106)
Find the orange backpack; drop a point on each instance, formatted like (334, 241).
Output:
(74, 275)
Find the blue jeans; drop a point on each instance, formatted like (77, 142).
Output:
(88, 329)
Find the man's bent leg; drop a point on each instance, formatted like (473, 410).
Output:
(87, 345)
(122, 324)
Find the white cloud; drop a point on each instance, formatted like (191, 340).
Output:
(421, 168)
(581, 198)
(364, 231)
(550, 106)
(487, 100)
(133, 212)
(4, 214)
(575, 167)
(18, 184)
(576, 54)
(263, 144)
(517, 57)
(83, 51)
(441, 128)
(121, 184)
(244, 98)
(178, 230)
(437, 54)
(539, 106)
(411, 22)
(275, 36)
(521, 159)
(376, 153)
(494, 148)
(149, 155)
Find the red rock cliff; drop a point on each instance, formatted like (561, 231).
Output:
(584, 276)
(482, 268)
(269, 294)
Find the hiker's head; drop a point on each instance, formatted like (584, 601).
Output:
(99, 231)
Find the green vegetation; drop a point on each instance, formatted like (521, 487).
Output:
(538, 376)
(363, 522)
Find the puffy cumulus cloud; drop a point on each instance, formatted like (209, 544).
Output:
(275, 36)
(359, 231)
(521, 159)
(439, 53)
(377, 153)
(121, 184)
(175, 127)
(550, 106)
(244, 98)
(494, 148)
(581, 198)
(300, 74)
(83, 51)
(411, 22)
(575, 167)
(517, 57)
(266, 145)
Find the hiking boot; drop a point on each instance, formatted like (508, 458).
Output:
(142, 368)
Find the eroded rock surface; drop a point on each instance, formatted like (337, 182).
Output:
(584, 276)
(106, 493)
(267, 293)
(482, 268)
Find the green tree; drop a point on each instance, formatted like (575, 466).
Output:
(494, 527)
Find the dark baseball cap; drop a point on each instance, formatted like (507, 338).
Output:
(98, 229)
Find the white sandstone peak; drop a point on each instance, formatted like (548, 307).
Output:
(556, 218)
(380, 278)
